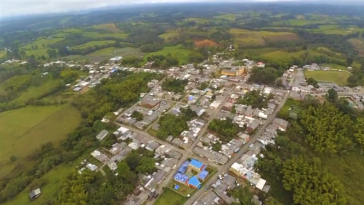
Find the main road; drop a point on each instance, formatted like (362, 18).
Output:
(243, 150)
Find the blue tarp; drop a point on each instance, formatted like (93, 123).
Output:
(203, 174)
(176, 187)
(196, 164)
(181, 177)
(194, 182)
(183, 167)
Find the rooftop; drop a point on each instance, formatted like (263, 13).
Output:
(196, 163)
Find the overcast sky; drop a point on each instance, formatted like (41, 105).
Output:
(25, 7)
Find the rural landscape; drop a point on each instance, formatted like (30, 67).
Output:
(184, 103)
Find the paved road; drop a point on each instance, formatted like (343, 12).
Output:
(243, 150)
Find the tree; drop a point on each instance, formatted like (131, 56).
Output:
(332, 95)
(137, 115)
(349, 61)
(272, 201)
(359, 132)
(13, 158)
(146, 166)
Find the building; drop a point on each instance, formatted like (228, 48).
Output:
(150, 101)
(233, 72)
(102, 135)
(194, 182)
(203, 174)
(183, 168)
(35, 194)
(181, 178)
(196, 165)
(99, 156)
(282, 124)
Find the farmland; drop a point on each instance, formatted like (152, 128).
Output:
(204, 42)
(329, 76)
(169, 34)
(25, 129)
(94, 43)
(259, 38)
(176, 51)
(108, 27)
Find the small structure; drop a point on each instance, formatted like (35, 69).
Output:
(34, 194)
(282, 124)
(183, 167)
(194, 182)
(102, 135)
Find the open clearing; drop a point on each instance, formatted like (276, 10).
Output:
(170, 197)
(93, 43)
(170, 34)
(42, 43)
(205, 43)
(230, 17)
(108, 27)
(197, 20)
(2, 53)
(176, 51)
(282, 54)
(246, 37)
(107, 53)
(23, 130)
(328, 76)
(358, 43)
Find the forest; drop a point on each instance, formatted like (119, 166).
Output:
(301, 158)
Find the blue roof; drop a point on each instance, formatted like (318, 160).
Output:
(181, 177)
(182, 169)
(194, 181)
(196, 163)
(203, 174)
(176, 187)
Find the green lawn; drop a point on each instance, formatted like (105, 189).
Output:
(169, 34)
(42, 43)
(328, 76)
(183, 190)
(296, 107)
(169, 197)
(93, 43)
(23, 130)
(176, 51)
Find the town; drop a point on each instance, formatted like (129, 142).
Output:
(228, 121)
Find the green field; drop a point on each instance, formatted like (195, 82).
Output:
(106, 53)
(169, 34)
(247, 37)
(42, 43)
(2, 53)
(105, 35)
(282, 54)
(108, 27)
(197, 20)
(329, 76)
(176, 51)
(170, 197)
(93, 43)
(23, 130)
(230, 17)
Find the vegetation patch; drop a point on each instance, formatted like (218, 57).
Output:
(358, 43)
(177, 52)
(329, 76)
(94, 43)
(170, 197)
(27, 128)
(170, 34)
(108, 27)
(260, 38)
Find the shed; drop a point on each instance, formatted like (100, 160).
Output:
(35, 194)
(102, 135)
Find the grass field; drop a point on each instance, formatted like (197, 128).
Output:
(230, 17)
(93, 43)
(105, 35)
(169, 34)
(108, 27)
(197, 20)
(2, 53)
(35, 92)
(246, 37)
(23, 130)
(328, 76)
(283, 54)
(107, 53)
(42, 43)
(176, 51)
(170, 197)
(334, 29)
(358, 43)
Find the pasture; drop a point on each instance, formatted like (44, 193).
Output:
(282, 54)
(329, 76)
(170, 197)
(169, 34)
(176, 51)
(358, 43)
(197, 20)
(108, 27)
(93, 43)
(246, 37)
(205, 43)
(230, 17)
(106, 53)
(2, 53)
(41, 43)
(23, 130)
(334, 29)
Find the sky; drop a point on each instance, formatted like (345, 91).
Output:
(28, 7)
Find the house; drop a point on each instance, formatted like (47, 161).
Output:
(155, 179)
(99, 156)
(152, 145)
(196, 165)
(209, 198)
(102, 135)
(282, 124)
(150, 101)
(35, 194)
(183, 168)
(194, 182)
